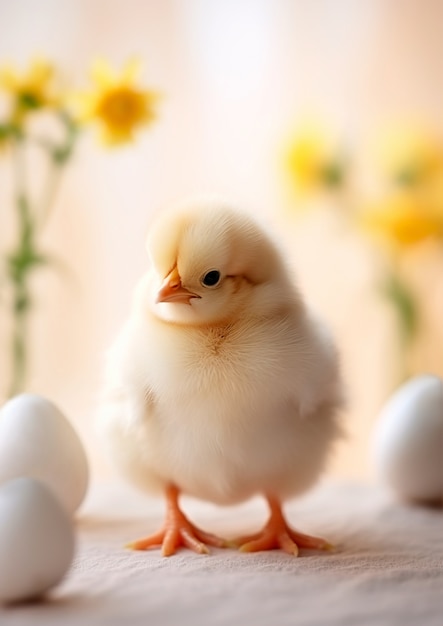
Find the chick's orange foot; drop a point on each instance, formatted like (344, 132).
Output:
(178, 532)
(277, 534)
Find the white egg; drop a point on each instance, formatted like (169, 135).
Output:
(36, 540)
(36, 440)
(408, 441)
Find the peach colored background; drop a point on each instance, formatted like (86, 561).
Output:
(236, 75)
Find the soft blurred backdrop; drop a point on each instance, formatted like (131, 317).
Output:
(322, 117)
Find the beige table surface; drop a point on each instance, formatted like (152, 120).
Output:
(388, 568)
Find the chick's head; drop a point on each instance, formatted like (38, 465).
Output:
(211, 263)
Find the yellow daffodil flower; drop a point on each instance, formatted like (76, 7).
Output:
(411, 209)
(404, 219)
(313, 160)
(117, 104)
(29, 91)
(410, 155)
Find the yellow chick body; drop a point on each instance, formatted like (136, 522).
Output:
(221, 384)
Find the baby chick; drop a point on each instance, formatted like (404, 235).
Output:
(221, 384)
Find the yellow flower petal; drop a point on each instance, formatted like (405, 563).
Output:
(31, 90)
(117, 104)
(8, 78)
(313, 158)
(131, 71)
(39, 74)
(114, 137)
(410, 154)
(102, 73)
(404, 220)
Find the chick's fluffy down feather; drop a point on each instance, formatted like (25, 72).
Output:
(233, 393)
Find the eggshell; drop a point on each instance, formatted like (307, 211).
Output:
(36, 440)
(36, 540)
(408, 441)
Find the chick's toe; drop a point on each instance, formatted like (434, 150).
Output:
(178, 531)
(277, 534)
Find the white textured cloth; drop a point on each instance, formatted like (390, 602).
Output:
(388, 568)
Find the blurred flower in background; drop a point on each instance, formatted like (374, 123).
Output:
(403, 211)
(410, 154)
(409, 209)
(118, 105)
(315, 159)
(30, 91)
(405, 217)
(406, 214)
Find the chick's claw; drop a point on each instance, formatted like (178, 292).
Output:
(277, 534)
(178, 532)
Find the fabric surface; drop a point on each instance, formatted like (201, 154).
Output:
(388, 567)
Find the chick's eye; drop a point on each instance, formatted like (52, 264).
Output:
(210, 279)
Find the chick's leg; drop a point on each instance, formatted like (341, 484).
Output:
(278, 534)
(178, 531)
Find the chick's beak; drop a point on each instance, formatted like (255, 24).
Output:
(172, 290)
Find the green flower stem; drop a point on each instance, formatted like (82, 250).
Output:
(49, 194)
(19, 339)
(19, 276)
(59, 156)
(26, 255)
(406, 309)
